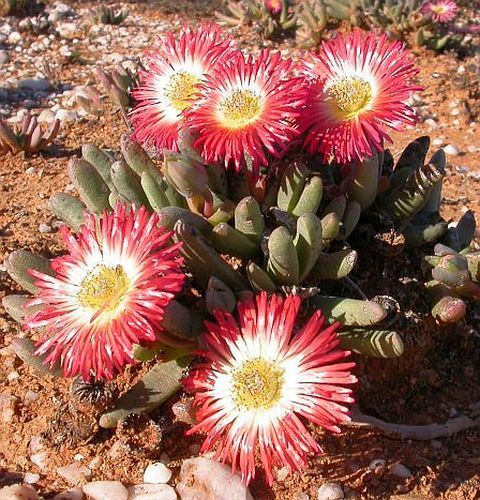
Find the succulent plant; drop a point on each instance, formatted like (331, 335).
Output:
(19, 8)
(292, 236)
(312, 21)
(272, 18)
(107, 15)
(88, 98)
(303, 233)
(27, 135)
(117, 84)
(36, 25)
(399, 19)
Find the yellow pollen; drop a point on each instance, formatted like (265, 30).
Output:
(257, 384)
(439, 9)
(240, 108)
(350, 95)
(181, 89)
(103, 288)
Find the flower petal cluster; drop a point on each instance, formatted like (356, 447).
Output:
(109, 292)
(262, 378)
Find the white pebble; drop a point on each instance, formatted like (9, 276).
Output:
(377, 463)
(101, 490)
(451, 150)
(330, 491)
(44, 228)
(31, 478)
(157, 473)
(400, 470)
(437, 141)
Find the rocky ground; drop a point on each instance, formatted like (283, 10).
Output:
(47, 444)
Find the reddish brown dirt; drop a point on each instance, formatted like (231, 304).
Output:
(443, 382)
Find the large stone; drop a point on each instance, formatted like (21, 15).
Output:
(18, 492)
(205, 479)
(151, 492)
(101, 490)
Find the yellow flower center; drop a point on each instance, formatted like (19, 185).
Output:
(257, 384)
(103, 288)
(350, 96)
(439, 9)
(240, 108)
(181, 89)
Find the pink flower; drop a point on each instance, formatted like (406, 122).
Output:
(247, 107)
(442, 11)
(109, 292)
(169, 85)
(262, 377)
(273, 6)
(360, 84)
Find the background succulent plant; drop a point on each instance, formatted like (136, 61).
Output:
(19, 8)
(27, 135)
(270, 20)
(107, 15)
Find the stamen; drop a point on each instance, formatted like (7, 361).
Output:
(240, 108)
(350, 95)
(257, 384)
(181, 89)
(103, 288)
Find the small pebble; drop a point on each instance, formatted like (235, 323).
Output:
(281, 474)
(74, 473)
(330, 491)
(437, 141)
(451, 150)
(40, 460)
(95, 463)
(12, 376)
(45, 228)
(377, 463)
(30, 397)
(400, 470)
(157, 473)
(31, 478)
(431, 123)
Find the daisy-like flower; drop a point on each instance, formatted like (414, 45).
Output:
(109, 292)
(359, 88)
(247, 107)
(442, 11)
(170, 83)
(261, 378)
